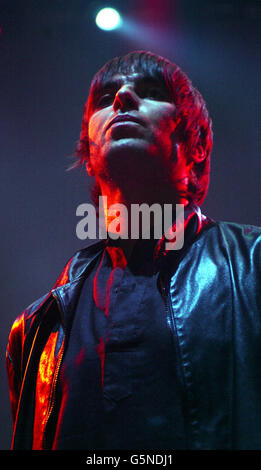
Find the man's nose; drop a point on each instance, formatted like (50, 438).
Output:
(126, 98)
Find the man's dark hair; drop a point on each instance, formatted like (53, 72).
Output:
(194, 129)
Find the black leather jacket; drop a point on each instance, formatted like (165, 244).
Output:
(212, 295)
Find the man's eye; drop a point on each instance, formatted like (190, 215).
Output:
(155, 93)
(105, 100)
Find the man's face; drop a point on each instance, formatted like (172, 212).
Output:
(132, 126)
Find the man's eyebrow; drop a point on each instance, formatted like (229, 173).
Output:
(109, 84)
(155, 81)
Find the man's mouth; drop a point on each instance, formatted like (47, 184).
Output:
(125, 119)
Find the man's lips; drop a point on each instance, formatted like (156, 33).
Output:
(125, 118)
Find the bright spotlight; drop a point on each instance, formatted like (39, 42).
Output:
(108, 19)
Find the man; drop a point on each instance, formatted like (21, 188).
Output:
(136, 346)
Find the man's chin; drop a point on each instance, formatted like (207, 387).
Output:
(129, 144)
(128, 154)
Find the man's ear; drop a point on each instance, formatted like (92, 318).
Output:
(89, 168)
(199, 154)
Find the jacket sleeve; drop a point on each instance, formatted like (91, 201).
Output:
(14, 354)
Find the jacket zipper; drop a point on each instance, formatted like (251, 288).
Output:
(165, 292)
(172, 325)
(54, 382)
(171, 322)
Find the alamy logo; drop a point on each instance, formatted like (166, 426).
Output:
(116, 222)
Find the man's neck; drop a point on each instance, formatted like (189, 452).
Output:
(161, 193)
(117, 206)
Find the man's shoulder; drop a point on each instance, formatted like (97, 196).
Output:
(72, 271)
(74, 268)
(248, 232)
(234, 238)
(78, 263)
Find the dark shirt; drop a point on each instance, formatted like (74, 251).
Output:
(119, 382)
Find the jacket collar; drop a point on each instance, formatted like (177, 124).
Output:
(67, 287)
(194, 222)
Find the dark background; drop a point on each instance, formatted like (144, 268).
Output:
(49, 50)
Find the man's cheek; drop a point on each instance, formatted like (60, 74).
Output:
(95, 138)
